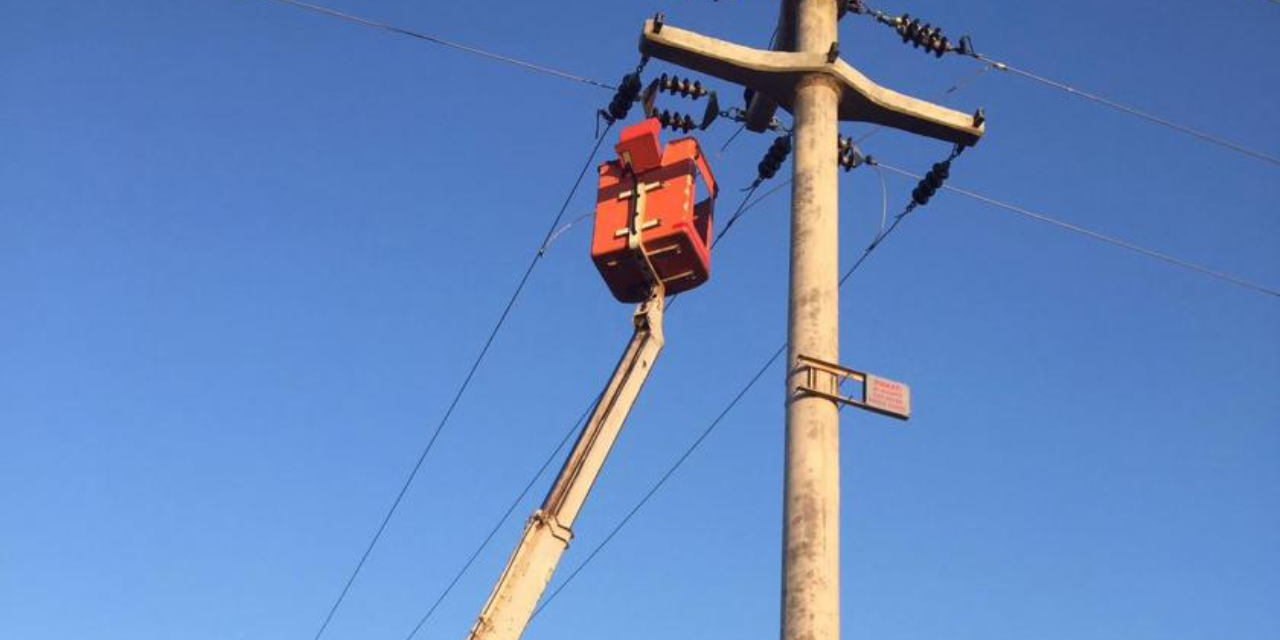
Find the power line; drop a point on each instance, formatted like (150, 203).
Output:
(476, 51)
(932, 40)
(744, 207)
(1133, 111)
(1140, 250)
(493, 531)
(466, 382)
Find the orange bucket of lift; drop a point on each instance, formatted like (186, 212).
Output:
(647, 202)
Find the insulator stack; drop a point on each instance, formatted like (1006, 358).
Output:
(628, 92)
(676, 121)
(773, 158)
(683, 87)
(931, 183)
(922, 35)
(849, 156)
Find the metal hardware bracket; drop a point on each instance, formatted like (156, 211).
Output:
(820, 378)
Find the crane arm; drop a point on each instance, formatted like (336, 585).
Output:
(550, 528)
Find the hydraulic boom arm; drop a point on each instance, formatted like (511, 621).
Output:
(549, 529)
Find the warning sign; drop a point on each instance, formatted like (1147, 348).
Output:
(887, 396)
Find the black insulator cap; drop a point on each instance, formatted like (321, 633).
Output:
(626, 95)
(942, 169)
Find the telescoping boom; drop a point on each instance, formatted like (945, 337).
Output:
(650, 239)
(547, 534)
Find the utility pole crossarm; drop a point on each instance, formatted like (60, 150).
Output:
(777, 73)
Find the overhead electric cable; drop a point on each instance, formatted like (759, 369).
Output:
(925, 35)
(1138, 249)
(1133, 111)
(744, 207)
(466, 382)
(497, 57)
(493, 531)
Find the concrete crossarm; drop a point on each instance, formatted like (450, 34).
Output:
(775, 73)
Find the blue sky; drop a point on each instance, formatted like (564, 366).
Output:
(247, 254)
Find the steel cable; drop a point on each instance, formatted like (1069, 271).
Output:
(497, 57)
(1138, 249)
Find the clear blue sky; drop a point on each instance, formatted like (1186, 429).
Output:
(247, 253)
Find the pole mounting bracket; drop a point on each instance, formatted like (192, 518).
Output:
(815, 377)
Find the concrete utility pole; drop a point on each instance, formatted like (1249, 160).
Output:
(807, 77)
(811, 503)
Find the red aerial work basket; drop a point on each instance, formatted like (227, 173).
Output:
(661, 223)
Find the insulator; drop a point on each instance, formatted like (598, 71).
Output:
(628, 91)
(844, 144)
(931, 183)
(941, 171)
(922, 35)
(676, 121)
(682, 87)
(774, 157)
